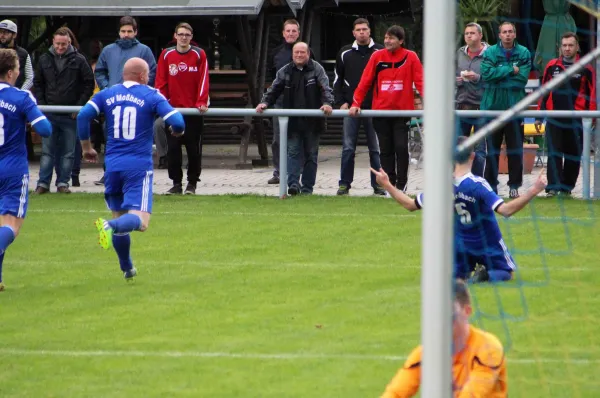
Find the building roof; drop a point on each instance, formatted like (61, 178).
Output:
(131, 7)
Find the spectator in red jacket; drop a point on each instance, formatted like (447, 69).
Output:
(182, 77)
(393, 71)
(565, 136)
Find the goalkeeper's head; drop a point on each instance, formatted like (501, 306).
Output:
(462, 310)
(465, 156)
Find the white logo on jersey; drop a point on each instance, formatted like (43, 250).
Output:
(173, 69)
(392, 85)
(193, 69)
(182, 66)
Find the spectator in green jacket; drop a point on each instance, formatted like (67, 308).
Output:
(505, 72)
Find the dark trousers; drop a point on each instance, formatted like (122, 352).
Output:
(351, 127)
(303, 158)
(192, 139)
(465, 125)
(393, 144)
(565, 146)
(514, 135)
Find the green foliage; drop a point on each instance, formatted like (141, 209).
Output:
(484, 12)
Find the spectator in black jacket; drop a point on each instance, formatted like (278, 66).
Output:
(349, 65)
(302, 84)
(63, 77)
(281, 56)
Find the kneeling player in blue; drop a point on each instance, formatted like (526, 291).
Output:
(130, 109)
(17, 107)
(477, 236)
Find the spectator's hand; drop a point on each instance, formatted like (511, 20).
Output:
(593, 124)
(538, 126)
(90, 156)
(381, 177)
(459, 79)
(541, 182)
(174, 134)
(203, 108)
(469, 75)
(515, 69)
(261, 107)
(345, 106)
(354, 110)
(327, 109)
(74, 116)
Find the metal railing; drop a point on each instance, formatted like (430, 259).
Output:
(284, 114)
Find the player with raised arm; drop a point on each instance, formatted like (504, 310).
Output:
(17, 107)
(477, 236)
(129, 108)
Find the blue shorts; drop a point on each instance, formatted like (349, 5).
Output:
(493, 258)
(128, 190)
(14, 195)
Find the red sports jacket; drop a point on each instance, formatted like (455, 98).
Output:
(183, 77)
(393, 74)
(578, 93)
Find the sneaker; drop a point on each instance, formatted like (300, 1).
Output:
(41, 190)
(513, 193)
(566, 194)
(551, 193)
(177, 189)
(293, 190)
(128, 275)
(480, 275)
(162, 163)
(100, 181)
(75, 181)
(379, 191)
(273, 180)
(190, 189)
(2, 287)
(63, 189)
(105, 233)
(343, 190)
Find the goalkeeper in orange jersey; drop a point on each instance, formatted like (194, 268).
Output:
(478, 363)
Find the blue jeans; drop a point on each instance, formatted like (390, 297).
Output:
(76, 160)
(303, 156)
(465, 126)
(351, 127)
(62, 145)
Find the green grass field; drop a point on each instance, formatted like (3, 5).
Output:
(258, 297)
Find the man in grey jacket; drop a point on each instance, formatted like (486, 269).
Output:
(469, 88)
(303, 84)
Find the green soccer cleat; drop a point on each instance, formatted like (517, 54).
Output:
(105, 233)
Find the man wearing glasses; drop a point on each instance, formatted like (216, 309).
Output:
(182, 77)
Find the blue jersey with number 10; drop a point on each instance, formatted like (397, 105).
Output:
(129, 109)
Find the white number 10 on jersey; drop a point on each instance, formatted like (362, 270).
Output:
(129, 117)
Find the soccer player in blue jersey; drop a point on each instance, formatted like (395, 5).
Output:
(129, 109)
(17, 107)
(477, 236)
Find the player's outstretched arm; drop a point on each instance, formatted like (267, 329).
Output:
(515, 205)
(406, 201)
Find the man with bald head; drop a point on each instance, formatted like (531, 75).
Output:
(130, 108)
(303, 84)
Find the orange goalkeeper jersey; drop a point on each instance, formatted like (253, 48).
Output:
(479, 371)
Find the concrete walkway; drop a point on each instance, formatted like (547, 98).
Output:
(219, 176)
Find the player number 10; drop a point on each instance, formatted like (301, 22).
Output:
(1, 129)
(129, 118)
(465, 216)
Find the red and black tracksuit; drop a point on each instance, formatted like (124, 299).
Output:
(565, 136)
(392, 74)
(183, 79)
